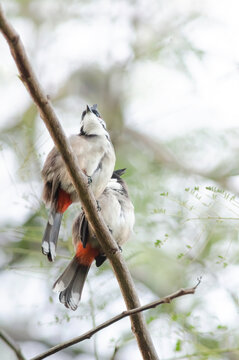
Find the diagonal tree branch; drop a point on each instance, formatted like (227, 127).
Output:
(12, 344)
(108, 244)
(89, 334)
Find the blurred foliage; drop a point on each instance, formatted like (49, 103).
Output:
(186, 213)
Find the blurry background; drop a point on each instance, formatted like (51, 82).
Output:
(165, 75)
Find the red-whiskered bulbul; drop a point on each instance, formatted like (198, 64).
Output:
(96, 158)
(118, 213)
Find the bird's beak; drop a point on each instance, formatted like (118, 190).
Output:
(88, 109)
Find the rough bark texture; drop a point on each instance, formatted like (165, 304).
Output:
(107, 242)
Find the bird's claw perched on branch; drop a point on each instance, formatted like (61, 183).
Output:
(98, 206)
(89, 179)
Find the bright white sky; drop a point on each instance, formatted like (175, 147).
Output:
(178, 104)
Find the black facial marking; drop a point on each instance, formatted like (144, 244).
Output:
(83, 133)
(96, 112)
(83, 114)
(92, 109)
(116, 175)
(122, 191)
(102, 123)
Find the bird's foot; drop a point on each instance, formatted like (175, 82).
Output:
(89, 179)
(98, 206)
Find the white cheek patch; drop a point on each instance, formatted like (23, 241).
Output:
(92, 124)
(114, 185)
(91, 116)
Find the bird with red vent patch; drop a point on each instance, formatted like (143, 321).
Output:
(96, 158)
(118, 213)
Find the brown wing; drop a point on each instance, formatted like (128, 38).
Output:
(49, 175)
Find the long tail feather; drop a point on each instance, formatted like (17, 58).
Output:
(65, 278)
(70, 283)
(50, 237)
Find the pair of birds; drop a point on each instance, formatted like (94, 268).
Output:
(96, 158)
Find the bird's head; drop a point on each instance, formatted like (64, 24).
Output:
(117, 184)
(91, 122)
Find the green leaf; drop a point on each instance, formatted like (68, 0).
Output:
(150, 319)
(158, 243)
(178, 346)
(159, 211)
(164, 194)
(222, 327)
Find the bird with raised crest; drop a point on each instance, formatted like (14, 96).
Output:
(118, 213)
(96, 158)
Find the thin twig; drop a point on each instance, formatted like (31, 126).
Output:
(12, 344)
(216, 218)
(106, 241)
(116, 349)
(204, 354)
(89, 334)
(92, 310)
(164, 155)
